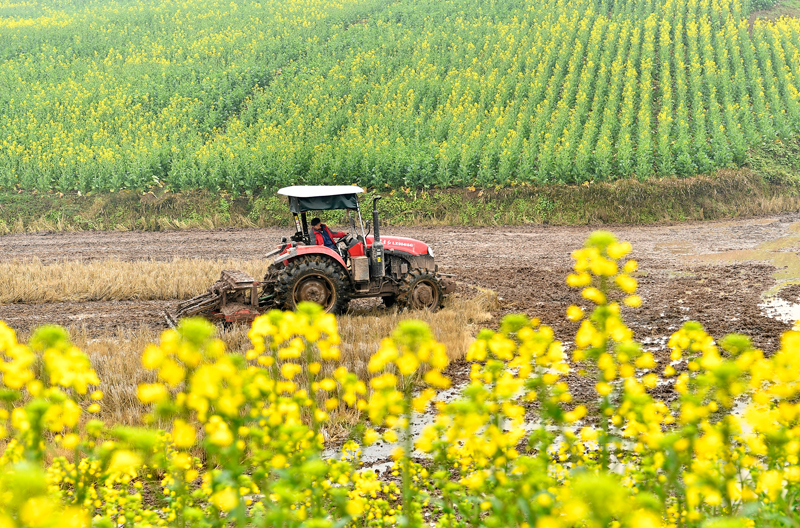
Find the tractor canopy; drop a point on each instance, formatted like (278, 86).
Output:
(304, 198)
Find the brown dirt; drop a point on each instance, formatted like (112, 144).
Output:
(790, 293)
(783, 9)
(96, 317)
(712, 272)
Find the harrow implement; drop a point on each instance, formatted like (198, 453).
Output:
(234, 298)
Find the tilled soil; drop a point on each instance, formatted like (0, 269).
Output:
(712, 272)
(790, 293)
(99, 317)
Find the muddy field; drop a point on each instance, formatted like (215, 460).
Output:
(718, 273)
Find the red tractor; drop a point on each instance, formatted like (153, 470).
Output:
(399, 270)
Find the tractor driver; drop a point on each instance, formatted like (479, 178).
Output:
(324, 236)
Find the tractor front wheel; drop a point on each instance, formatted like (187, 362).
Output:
(421, 290)
(314, 279)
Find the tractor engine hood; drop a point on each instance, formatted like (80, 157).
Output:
(407, 245)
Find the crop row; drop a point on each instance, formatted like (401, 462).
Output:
(438, 93)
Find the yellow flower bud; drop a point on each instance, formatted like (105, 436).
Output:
(576, 414)
(152, 357)
(407, 364)
(151, 392)
(634, 301)
(225, 500)
(183, 434)
(124, 461)
(579, 280)
(290, 370)
(278, 461)
(603, 388)
(626, 283)
(594, 295)
(574, 313)
(618, 250)
(371, 436)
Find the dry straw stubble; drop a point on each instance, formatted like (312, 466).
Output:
(31, 281)
(116, 356)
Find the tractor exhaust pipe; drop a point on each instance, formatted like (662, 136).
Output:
(375, 221)
(377, 268)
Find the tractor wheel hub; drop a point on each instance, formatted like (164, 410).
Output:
(423, 295)
(313, 290)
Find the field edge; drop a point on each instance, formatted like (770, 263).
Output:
(762, 189)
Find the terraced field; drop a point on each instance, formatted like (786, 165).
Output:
(207, 94)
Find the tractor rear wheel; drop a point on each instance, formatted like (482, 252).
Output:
(421, 290)
(314, 279)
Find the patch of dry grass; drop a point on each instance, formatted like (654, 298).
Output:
(117, 356)
(31, 281)
(455, 326)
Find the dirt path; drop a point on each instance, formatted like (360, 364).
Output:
(714, 272)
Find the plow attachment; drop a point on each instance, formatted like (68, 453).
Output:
(234, 298)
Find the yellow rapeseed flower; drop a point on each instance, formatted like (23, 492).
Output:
(124, 461)
(574, 313)
(225, 499)
(183, 434)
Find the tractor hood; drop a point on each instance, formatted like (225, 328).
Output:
(408, 245)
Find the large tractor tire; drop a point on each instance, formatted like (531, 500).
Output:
(271, 278)
(315, 279)
(421, 290)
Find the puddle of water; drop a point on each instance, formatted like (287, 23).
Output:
(681, 247)
(778, 252)
(739, 409)
(782, 310)
(378, 455)
(781, 253)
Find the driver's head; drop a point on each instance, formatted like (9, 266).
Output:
(316, 224)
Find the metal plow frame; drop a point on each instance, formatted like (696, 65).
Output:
(226, 295)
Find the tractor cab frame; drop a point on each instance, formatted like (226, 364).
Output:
(398, 270)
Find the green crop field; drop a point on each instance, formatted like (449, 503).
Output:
(108, 95)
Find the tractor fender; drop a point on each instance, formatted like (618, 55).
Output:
(414, 261)
(299, 251)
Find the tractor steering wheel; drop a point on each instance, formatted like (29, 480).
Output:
(350, 240)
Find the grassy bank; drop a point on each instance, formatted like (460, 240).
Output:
(768, 184)
(728, 194)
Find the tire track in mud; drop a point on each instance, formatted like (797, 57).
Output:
(96, 317)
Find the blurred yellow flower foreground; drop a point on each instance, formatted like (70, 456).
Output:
(237, 440)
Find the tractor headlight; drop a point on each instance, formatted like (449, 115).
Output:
(430, 252)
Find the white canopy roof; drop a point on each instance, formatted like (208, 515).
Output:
(315, 191)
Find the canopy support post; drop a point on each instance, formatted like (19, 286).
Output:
(306, 235)
(297, 223)
(361, 222)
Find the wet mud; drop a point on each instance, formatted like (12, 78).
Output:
(97, 317)
(717, 273)
(790, 293)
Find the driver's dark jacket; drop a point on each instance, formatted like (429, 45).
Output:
(321, 240)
